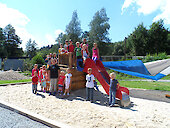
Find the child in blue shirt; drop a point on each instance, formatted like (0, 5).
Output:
(114, 85)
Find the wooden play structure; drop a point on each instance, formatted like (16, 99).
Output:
(68, 61)
(98, 70)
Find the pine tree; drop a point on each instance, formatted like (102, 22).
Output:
(73, 29)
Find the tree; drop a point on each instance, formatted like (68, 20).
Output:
(61, 38)
(73, 29)
(38, 59)
(158, 38)
(2, 41)
(12, 42)
(31, 48)
(137, 41)
(99, 28)
(168, 41)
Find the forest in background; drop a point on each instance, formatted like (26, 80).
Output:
(142, 41)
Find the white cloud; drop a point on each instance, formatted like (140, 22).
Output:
(52, 37)
(126, 4)
(149, 6)
(58, 31)
(17, 19)
(165, 13)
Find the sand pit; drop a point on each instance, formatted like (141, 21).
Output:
(78, 113)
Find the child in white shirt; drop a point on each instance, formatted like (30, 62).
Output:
(89, 85)
(68, 81)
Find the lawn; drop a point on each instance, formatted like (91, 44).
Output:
(122, 76)
(14, 81)
(146, 85)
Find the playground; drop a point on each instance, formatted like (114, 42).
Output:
(148, 108)
(144, 108)
(75, 111)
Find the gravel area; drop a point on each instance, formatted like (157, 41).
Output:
(78, 113)
(10, 119)
(12, 75)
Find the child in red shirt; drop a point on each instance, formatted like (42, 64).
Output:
(71, 46)
(61, 80)
(34, 82)
(35, 69)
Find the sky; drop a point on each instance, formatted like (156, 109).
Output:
(44, 20)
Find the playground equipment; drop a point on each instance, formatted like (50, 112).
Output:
(98, 70)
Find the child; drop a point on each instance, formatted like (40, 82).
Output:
(48, 61)
(35, 69)
(78, 51)
(34, 82)
(89, 85)
(61, 50)
(95, 52)
(66, 46)
(61, 80)
(114, 85)
(47, 84)
(85, 53)
(68, 81)
(71, 46)
(55, 57)
(41, 77)
(71, 51)
(84, 42)
(44, 78)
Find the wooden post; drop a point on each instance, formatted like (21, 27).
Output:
(70, 60)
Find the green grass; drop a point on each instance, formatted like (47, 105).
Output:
(166, 77)
(146, 85)
(122, 76)
(14, 81)
(165, 86)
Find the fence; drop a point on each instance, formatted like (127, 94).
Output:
(13, 64)
(116, 58)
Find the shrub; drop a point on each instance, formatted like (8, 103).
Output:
(155, 57)
(38, 59)
(28, 65)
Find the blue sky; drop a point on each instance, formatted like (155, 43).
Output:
(43, 20)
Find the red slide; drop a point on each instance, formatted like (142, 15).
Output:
(98, 70)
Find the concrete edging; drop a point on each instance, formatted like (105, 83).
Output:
(33, 116)
(15, 83)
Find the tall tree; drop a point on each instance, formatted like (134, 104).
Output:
(31, 47)
(99, 28)
(138, 40)
(73, 29)
(158, 36)
(12, 42)
(2, 41)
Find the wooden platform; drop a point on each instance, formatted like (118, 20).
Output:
(78, 78)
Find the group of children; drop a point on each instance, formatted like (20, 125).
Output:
(63, 84)
(42, 76)
(81, 50)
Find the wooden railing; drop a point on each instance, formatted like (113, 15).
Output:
(67, 59)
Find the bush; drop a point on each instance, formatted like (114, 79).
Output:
(28, 65)
(155, 57)
(38, 59)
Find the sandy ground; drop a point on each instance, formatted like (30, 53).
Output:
(78, 113)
